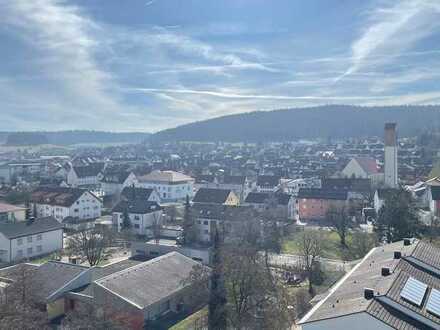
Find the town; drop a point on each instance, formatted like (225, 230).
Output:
(139, 236)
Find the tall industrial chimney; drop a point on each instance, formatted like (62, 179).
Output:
(391, 177)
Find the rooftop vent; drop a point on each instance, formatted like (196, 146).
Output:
(397, 254)
(368, 293)
(406, 241)
(386, 271)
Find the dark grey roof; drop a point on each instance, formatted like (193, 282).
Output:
(349, 184)
(211, 195)
(205, 178)
(88, 170)
(234, 179)
(221, 212)
(317, 193)
(60, 196)
(132, 193)
(136, 206)
(261, 198)
(118, 177)
(268, 180)
(150, 281)
(26, 228)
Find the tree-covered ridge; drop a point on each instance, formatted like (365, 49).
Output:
(335, 121)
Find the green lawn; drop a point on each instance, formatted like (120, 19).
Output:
(331, 246)
(188, 323)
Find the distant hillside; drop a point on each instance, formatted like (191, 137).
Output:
(305, 123)
(69, 137)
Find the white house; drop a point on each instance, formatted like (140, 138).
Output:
(113, 183)
(86, 175)
(29, 239)
(136, 193)
(363, 168)
(144, 216)
(171, 186)
(62, 202)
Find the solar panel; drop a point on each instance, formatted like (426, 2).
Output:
(433, 305)
(414, 291)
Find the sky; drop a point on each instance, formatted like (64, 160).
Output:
(148, 65)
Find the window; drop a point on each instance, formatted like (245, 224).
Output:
(76, 210)
(136, 217)
(29, 251)
(20, 241)
(29, 239)
(205, 223)
(39, 248)
(206, 231)
(136, 226)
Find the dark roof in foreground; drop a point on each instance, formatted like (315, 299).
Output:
(268, 180)
(419, 261)
(137, 206)
(150, 281)
(317, 193)
(52, 195)
(25, 228)
(211, 195)
(262, 197)
(132, 193)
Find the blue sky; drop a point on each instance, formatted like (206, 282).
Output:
(153, 64)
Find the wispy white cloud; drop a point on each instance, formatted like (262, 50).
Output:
(393, 29)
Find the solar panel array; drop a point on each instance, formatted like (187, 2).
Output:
(433, 305)
(414, 291)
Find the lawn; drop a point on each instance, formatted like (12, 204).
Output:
(331, 246)
(189, 322)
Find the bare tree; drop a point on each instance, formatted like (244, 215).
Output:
(90, 244)
(339, 218)
(156, 226)
(310, 248)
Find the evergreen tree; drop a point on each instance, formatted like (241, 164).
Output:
(188, 224)
(217, 295)
(126, 224)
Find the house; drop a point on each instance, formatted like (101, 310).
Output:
(171, 186)
(77, 224)
(395, 286)
(85, 175)
(112, 183)
(284, 203)
(145, 194)
(143, 216)
(364, 168)
(205, 181)
(312, 204)
(62, 202)
(268, 183)
(29, 239)
(11, 213)
(209, 217)
(148, 290)
(216, 196)
(241, 185)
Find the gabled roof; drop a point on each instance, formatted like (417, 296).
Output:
(136, 206)
(60, 196)
(369, 165)
(25, 228)
(349, 184)
(208, 178)
(262, 197)
(234, 179)
(221, 212)
(151, 281)
(317, 193)
(132, 193)
(268, 180)
(88, 170)
(165, 176)
(118, 177)
(212, 195)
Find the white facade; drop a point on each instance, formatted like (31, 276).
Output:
(171, 192)
(87, 206)
(30, 246)
(141, 224)
(391, 175)
(354, 170)
(74, 181)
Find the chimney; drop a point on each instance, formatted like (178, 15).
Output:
(406, 241)
(391, 166)
(368, 293)
(397, 254)
(386, 271)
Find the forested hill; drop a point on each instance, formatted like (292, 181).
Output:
(69, 137)
(305, 123)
